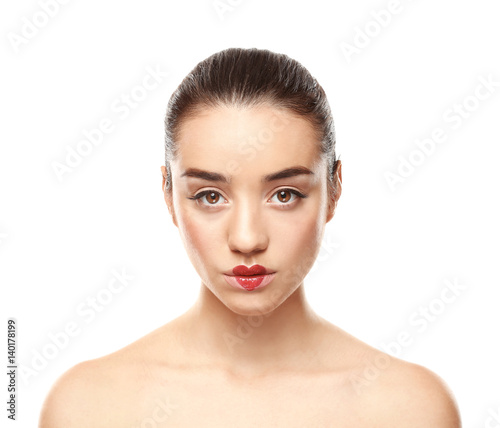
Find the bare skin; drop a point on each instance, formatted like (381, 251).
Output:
(256, 358)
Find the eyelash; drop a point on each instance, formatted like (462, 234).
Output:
(283, 204)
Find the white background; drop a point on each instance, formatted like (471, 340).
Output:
(386, 252)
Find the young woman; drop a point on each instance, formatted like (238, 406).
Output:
(250, 180)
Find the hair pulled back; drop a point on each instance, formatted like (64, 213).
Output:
(248, 78)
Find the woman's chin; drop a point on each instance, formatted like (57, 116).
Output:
(255, 303)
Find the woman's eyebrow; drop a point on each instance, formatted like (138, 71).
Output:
(204, 175)
(216, 177)
(287, 172)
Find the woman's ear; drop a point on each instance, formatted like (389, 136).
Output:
(335, 192)
(167, 194)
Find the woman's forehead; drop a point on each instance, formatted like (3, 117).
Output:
(246, 135)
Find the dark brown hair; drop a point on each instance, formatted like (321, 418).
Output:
(247, 78)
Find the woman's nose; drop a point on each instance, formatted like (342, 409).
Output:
(247, 230)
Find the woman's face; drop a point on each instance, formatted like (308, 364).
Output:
(249, 187)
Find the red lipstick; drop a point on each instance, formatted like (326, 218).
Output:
(249, 278)
(242, 270)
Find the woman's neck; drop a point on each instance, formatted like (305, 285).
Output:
(285, 339)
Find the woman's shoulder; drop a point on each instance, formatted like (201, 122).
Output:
(75, 394)
(89, 392)
(413, 395)
(396, 392)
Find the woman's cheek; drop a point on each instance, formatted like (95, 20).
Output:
(200, 235)
(297, 241)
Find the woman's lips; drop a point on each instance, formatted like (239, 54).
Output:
(249, 282)
(249, 278)
(242, 270)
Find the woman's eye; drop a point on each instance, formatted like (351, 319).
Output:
(208, 197)
(287, 196)
(282, 197)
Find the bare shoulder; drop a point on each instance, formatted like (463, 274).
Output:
(419, 396)
(389, 392)
(104, 392)
(399, 393)
(73, 399)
